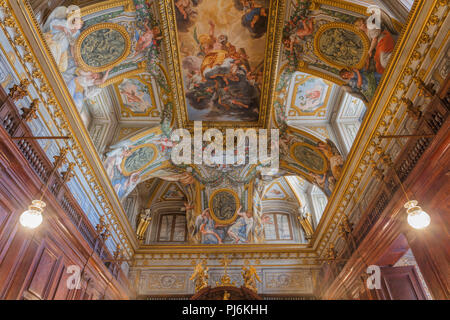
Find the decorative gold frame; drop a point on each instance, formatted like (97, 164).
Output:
(127, 110)
(291, 152)
(286, 196)
(346, 26)
(213, 215)
(155, 154)
(77, 52)
(272, 53)
(142, 68)
(128, 6)
(325, 104)
(163, 193)
(302, 67)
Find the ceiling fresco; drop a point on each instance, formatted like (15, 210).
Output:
(137, 96)
(309, 97)
(226, 52)
(229, 63)
(117, 82)
(222, 57)
(331, 40)
(173, 193)
(119, 46)
(275, 192)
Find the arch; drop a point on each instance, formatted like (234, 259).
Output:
(308, 166)
(150, 164)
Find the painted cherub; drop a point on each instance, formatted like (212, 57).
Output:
(296, 37)
(307, 28)
(183, 6)
(147, 38)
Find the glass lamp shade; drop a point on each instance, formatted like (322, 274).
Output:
(417, 218)
(32, 217)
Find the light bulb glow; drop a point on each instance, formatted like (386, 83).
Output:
(32, 217)
(417, 218)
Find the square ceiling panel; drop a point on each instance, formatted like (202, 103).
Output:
(224, 49)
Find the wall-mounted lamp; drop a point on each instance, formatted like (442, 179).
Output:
(417, 218)
(32, 217)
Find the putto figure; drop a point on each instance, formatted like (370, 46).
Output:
(200, 276)
(250, 276)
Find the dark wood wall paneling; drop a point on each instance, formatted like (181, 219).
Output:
(33, 264)
(425, 172)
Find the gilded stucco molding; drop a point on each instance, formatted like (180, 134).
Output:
(128, 6)
(302, 254)
(211, 207)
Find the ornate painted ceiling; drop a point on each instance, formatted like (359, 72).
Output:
(138, 69)
(132, 71)
(121, 78)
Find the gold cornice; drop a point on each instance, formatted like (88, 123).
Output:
(312, 265)
(128, 6)
(226, 248)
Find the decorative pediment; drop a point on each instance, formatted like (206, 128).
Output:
(173, 192)
(275, 191)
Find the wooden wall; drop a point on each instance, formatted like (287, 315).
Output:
(429, 184)
(33, 265)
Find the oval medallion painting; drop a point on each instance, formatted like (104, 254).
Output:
(223, 205)
(309, 157)
(102, 46)
(341, 45)
(139, 159)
